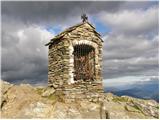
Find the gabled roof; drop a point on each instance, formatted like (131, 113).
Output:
(60, 35)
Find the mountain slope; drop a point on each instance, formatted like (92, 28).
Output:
(145, 90)
(25, 101)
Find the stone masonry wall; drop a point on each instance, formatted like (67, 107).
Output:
(61, 65)
(58, 64)
(86, 89)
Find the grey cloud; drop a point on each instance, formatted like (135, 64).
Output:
(24, 58)
(124, 46)
(130, 56)
(138, 4)
(133, 22)
(54, 12)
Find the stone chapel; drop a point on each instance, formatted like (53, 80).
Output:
(75, 61)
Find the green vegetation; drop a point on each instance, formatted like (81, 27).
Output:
(157, 107)
(39, 90)
(52, 97)
(136, 107)
(132, 109)
(120, 99)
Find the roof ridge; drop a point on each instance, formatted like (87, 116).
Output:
(61, 34)
(71, 28)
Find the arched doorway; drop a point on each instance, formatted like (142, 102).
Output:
(84, 62)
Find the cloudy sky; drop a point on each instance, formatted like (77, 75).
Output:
(129, 31)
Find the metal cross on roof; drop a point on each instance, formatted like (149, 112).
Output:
(84, 17)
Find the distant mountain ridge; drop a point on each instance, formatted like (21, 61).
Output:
(145, 90)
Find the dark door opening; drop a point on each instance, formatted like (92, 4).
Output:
(84, 62)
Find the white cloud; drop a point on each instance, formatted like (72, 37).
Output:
(27, 58)
(129, 55)
(130, 46)
(135, 21)
(128, 80)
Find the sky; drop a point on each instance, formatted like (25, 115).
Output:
(129, 31)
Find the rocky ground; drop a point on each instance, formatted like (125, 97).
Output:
(25, 101)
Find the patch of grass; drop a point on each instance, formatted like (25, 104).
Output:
(55, 98)
(39, 90)
(52, 97)
(120, 99)
(60, 96)
(125, 107)
(132, 109)
(136, 107)
(157, 107)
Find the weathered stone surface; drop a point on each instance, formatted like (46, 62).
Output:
(24, 101)
(49, 91)
(134, 108)
(5, 87)
(17, 98)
